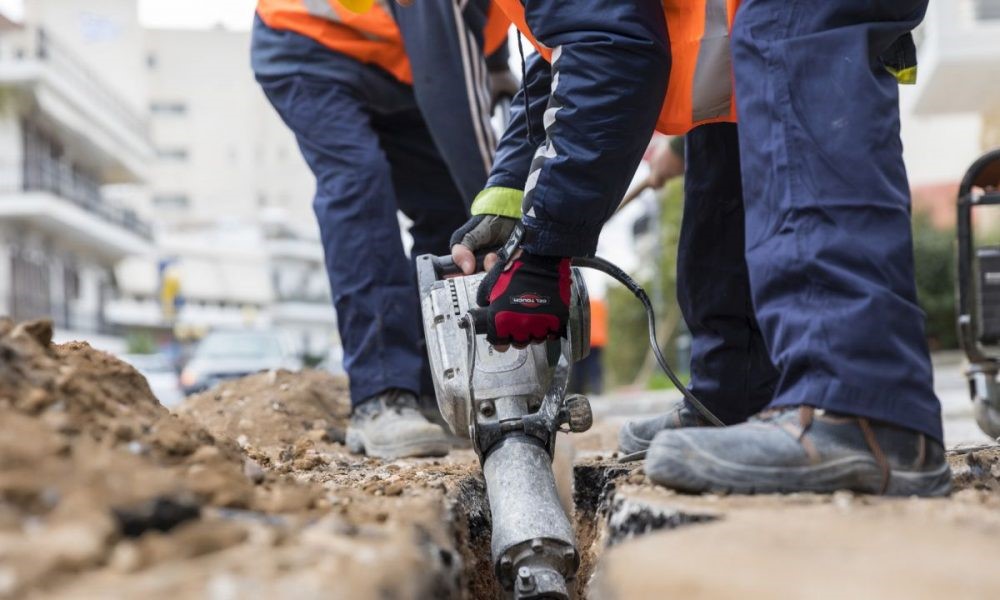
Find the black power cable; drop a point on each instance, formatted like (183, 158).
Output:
(616, 273)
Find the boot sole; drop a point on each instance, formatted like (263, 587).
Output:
(357, 444)
(687, 469)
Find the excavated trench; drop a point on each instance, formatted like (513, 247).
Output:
(605, 516)
(601, 519)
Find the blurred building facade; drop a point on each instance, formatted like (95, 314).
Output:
(223, 154)
(65, 134)
(952, 114)
(128, 155)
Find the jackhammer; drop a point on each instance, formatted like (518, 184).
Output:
(511, 405)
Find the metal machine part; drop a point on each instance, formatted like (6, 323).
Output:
(511, 405)
(979, 293)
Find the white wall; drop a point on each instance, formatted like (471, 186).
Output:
(103, 33)
(240, 156)
(939, 149)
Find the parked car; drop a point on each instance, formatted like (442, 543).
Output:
(225, 355)
(160, 373)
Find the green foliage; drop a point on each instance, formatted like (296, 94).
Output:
(934, 262)
(140, 342)
(628, 341)
(627, 336)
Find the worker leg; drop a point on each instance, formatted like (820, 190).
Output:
(425, 192)
(371, 279)
(730, 369)
(424, 189)
(828, 208)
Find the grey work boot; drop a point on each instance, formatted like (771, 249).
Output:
(635, 436)
(800, 449)
(390, 426)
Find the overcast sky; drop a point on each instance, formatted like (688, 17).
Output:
(234, 14)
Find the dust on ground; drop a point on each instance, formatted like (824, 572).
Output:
(248, 492)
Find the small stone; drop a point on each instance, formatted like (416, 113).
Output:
(843, 500)
(252, 470)
(205, 454)
(242, 441)
(394, 489)
(126, 558)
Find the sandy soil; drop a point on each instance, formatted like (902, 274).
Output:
(245, 493)
(248, 492)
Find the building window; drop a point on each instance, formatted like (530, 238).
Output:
(171, 201)
(178, 154)
(168, 108)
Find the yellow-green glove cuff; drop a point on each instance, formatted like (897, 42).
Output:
(502, 201)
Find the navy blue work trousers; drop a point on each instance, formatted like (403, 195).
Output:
(366, 142)
(827, 244)
(731, 372)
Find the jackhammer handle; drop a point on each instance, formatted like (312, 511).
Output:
(445, 266)
(480, 320)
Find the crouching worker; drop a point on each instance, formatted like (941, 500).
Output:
(391, 112)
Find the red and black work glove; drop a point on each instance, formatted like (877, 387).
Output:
(527, 297)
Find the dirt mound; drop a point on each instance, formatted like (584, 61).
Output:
(105, 493)
(294, 423)
(89, 459)
(274, 409)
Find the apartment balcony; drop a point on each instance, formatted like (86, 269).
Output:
(959, 53)
(57, 87)
(61, 201)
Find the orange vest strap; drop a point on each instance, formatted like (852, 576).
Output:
(495, 32)
(371, 38)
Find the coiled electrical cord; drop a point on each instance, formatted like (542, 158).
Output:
(612, 270)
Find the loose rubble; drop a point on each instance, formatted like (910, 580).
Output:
(248, 492)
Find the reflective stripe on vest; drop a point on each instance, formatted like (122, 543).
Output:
(372, 37)
(712, 94)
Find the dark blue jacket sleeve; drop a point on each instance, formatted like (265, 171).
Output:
(516, 149)
(611, 63)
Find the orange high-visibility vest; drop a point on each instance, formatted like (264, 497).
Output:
(700, 90)
(371, 37)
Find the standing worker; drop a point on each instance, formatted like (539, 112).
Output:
(827, 235)
(391, 110)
